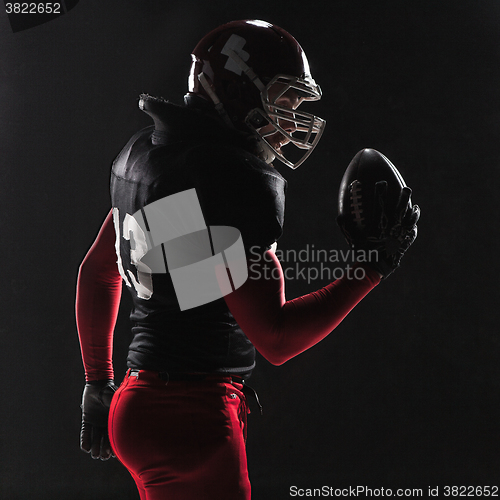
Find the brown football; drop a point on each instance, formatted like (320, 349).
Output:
(357, 200)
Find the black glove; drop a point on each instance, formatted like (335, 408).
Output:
(96, 401)
(390, 234)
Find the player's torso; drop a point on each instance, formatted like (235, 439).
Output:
(204, 338)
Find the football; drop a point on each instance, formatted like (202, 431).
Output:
(370, 190)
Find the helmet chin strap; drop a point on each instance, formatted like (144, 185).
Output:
(219, 107)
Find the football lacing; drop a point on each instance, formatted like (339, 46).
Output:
(356, 204)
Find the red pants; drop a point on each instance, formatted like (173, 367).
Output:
(181, 440)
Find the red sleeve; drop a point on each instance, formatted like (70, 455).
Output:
(98, 296)
(281, 329)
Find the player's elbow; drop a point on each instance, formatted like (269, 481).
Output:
(88, 270)
(274, 356)
(98, 268)
(272, 345)
(83, 269)
(278, 360)
(88, 265)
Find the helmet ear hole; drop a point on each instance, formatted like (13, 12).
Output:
(241, 95)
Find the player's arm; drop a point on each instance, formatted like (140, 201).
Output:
(98, 295)
(97, 303)
(282, 329)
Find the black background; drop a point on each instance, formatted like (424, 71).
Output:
(405, 393)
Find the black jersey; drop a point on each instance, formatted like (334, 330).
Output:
(189, 149)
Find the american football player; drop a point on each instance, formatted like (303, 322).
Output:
(178, 420)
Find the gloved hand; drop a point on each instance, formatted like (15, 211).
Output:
(96, 401)
(390, 234)
(393, 241)
(375, 211)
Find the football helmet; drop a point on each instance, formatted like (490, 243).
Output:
(256, 75)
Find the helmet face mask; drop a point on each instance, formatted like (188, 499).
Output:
(256, 75)
(280, 116)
